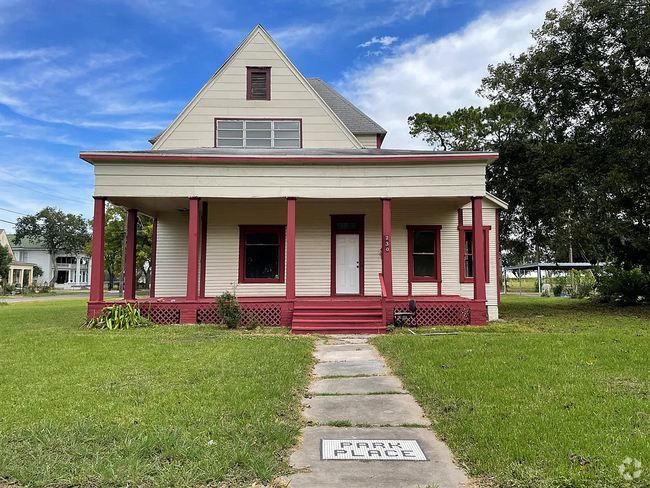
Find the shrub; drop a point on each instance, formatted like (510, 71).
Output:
(559, 286)
(585, 284)
(229, 310)
(253, 323)
(8, 288)
(119, 317)
(616, 284)
(390, 328)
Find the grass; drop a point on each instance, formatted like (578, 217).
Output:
(164, 406)
(556, 396)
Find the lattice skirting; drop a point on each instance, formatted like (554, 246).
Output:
(160, 313)
(438, 314)
(266, 314)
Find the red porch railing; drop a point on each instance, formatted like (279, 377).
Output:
(384, 295)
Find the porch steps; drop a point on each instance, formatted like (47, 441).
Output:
(337, 317)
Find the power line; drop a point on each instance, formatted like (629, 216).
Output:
(6, 221)
(42, 192)
(37, 184)
(12, 211)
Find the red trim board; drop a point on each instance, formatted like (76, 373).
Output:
(243, 230)
(422, 279)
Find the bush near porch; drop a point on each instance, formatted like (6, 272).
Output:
(140, 407)
(556, 396)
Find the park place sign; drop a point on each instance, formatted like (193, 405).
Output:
(371, 450)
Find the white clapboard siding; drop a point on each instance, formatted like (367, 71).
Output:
(222, 245)
(368, 140)
(171, 255)
(489, 219)
(350, 180)
(225, 96)
(425, 211)
(313, 244)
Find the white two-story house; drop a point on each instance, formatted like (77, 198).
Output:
(277, 186)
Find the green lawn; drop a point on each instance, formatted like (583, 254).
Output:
(557, 396)
(140, 407)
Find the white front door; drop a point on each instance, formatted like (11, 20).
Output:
(347, 264)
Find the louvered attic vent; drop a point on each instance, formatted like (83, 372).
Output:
(259, 84)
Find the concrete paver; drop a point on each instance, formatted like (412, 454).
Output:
(347, 398)
(365, 409)
(370, 384)
(350, 368)
(439, 470)
(346, 352)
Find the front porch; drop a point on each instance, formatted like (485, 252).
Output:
(344, 265)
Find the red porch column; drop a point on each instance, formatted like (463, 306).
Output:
(386, 246)
(152, 275)
(478, 248)
(204, 245)
(129, 267)
(97, 270)
(193, 251)
(291, 249)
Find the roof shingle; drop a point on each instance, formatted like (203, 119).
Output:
(350, 115)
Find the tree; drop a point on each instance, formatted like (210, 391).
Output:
(37, 271)
(59, 232)
(570, 118)
(5, 261)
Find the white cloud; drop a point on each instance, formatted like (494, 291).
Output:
(440, 75)
(385, 41)
(22, 54)
(305, 36)
(109, 89)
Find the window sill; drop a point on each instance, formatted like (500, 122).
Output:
(421, 279)
(261, 280)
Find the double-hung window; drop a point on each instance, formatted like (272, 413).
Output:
(467, 254)
(424, 253)
(258, 133)
(261, 254)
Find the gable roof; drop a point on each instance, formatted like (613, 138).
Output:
(350, 115)
(161, 137)
(25, 242)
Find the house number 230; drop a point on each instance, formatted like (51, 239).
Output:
(386, 244)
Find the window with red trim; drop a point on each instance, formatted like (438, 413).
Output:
(467, 254)
(258, 83)
(261, 254)
(424, 253)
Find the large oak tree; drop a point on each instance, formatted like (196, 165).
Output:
(570, 118)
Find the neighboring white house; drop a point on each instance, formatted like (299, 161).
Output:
(20, 273)
(64, 272)
(278, 185)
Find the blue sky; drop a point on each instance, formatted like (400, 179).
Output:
(109, 74)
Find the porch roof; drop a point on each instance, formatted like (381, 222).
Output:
(302, 155)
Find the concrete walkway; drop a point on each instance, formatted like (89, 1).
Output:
(357, 404)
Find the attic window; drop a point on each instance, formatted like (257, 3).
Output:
(284, 133)
(258, 81)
